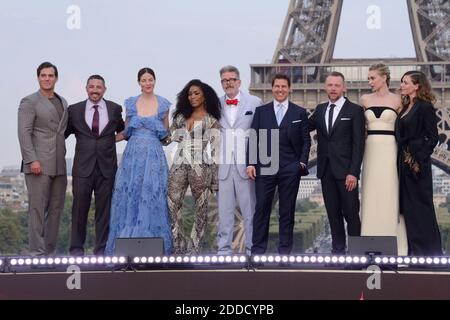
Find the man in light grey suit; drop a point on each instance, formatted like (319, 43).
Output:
(235, 187)
(42, 120)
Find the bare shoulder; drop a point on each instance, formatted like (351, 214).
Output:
(364, 100)
(396, 101)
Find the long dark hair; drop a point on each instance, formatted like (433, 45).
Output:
(424, 92)
(212, 102)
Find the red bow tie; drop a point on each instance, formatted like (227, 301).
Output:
(233, 102)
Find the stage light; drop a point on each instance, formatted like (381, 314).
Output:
(378, 260)
(172, 260)
(407, 260)
(327, 259)
(57, 261)
(277, 259)
(264, 259)
(444, 260)
(299, 259)
(214, 259)
(392, 260)
(341, 259)
(221, 259)
(422, 260)
(436, 261)
(179, 259)
(306, 259)
(334, 259)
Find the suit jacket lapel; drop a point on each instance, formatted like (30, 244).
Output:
(81, 114)
(224, 119)
(287, 116)
(110, 116)
(322, 112)
(51, 109)
(338, 119)
(241, 111)
(273, 115)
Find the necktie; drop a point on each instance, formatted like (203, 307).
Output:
(330, 118)
(232, 102)
(96, 121)
(279, 114)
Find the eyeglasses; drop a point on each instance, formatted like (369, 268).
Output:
(232, 80)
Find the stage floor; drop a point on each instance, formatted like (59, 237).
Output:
(257, 285)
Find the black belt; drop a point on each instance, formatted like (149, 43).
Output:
(381, 132)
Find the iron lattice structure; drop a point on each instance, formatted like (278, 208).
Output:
(309, 31)
(430, 22)
(305, 53)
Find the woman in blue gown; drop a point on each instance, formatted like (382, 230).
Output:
(139, 204)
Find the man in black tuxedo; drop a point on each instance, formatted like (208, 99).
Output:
(95, 123)
(278, 157)
(340, 126)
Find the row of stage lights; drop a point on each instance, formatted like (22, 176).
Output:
(8, 263)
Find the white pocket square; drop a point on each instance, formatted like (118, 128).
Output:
(297, 121)
(346, 119)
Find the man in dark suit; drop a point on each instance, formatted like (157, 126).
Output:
(278, 157)
(340, 127)
(95, 123)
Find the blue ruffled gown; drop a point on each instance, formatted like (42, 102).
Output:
(139, 203)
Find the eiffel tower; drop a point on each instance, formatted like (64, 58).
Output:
(305, 53)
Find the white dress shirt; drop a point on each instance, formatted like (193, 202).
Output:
(231, 111)
(102, 111)
(276, 106)
(339, 104)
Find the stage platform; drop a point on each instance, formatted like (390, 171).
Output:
(271, 284)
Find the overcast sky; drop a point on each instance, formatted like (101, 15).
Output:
(179, 39)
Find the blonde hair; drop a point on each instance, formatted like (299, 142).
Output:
(383, 70)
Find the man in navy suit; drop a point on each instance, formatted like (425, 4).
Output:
(340, 127)
(277, 157)
(95, 123)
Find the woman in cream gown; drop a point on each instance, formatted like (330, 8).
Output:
(380, 187)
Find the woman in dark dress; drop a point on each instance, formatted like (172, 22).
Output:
(417, 136)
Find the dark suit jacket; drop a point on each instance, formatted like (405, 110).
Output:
(91, 148)
(344, 147)
(420, 136)
(295, 140)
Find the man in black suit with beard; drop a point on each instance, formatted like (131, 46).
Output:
(282, 143)
(340, 126)
(95, 123)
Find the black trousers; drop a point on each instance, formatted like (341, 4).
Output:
(341, 205)
(82, 195)
(287, 180)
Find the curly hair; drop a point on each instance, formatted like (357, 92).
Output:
(424, 92)
(212, 102)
